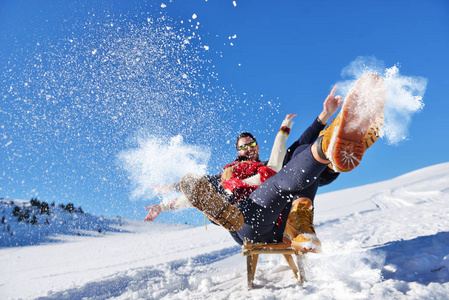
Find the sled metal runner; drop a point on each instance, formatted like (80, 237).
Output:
(252, 252)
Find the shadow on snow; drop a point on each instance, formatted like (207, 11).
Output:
(424, 259)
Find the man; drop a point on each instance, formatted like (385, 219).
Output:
(240, 178)
(292, 190)
(237, 179)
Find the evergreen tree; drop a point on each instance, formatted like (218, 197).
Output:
(16, 211)
(34, 220)
(34, 202)
(70, 207)
(44, 208)
(24, 215)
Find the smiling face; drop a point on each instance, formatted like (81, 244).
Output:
(251, 153)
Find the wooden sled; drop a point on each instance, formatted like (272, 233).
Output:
(252, 252)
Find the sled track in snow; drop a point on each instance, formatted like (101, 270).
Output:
(151, 282)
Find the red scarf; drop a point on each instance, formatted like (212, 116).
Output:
(233, 174)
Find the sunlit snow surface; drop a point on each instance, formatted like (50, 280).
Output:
(388, 240)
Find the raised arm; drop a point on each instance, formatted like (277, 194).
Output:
(164, 189)
(167, 204)
(279, 147)
(330, 106)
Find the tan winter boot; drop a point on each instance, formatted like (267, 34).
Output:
(356, 127)
(202, 195)
(369, 139)
(373, 133)
(299, 230)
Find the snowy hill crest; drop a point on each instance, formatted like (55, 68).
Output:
(26, 223)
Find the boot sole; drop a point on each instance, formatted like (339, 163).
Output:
(202, 195)
(303, 246)
(361, 115)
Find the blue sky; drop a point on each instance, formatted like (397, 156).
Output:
(83, 82)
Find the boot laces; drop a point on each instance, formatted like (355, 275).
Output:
(304, 219)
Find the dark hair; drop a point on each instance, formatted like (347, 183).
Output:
(243, 135)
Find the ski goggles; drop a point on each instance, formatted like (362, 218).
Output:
(245, 147)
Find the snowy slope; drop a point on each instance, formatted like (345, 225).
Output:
(388, 240)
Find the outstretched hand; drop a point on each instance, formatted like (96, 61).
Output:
(330, 105)
(155, 210)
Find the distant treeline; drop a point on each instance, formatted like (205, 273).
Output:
(38, 207)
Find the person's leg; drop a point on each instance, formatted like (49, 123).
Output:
(257, 229)
(202, 195)
(264, 206)
(326, 177)
(307, 138)
(215, 180)
(299, 230)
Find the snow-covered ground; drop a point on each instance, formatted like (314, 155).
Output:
(388, 240)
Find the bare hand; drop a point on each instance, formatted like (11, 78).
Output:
(290, 116)
(330, 105)
(155, 210)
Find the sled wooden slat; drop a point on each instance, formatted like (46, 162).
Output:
(252, 252)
